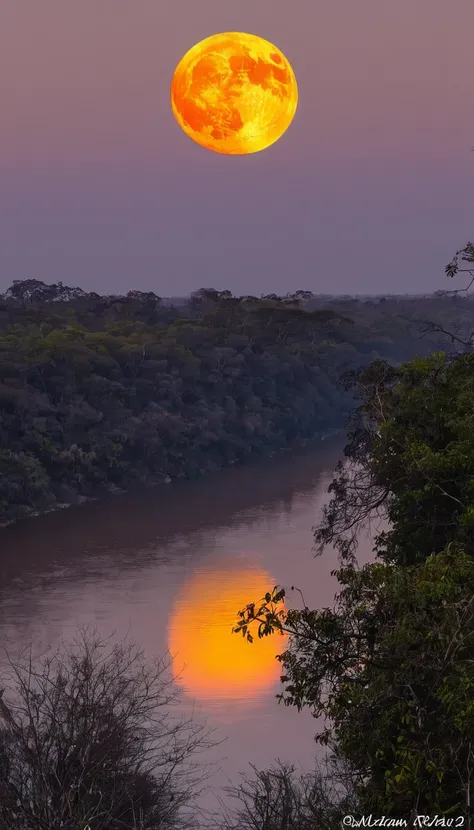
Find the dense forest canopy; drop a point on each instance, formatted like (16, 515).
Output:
(390, 666)
(98, 392)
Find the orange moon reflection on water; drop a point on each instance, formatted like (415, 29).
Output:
(209, 661)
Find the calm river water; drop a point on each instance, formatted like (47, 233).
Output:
(170, 567)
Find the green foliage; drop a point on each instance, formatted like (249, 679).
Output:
(23, 481)
(466, 254)
(99, 392)
(411, 457)
(391, 667)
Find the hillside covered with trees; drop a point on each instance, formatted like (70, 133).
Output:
(97, 393)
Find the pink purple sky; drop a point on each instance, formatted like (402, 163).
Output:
(370, 190)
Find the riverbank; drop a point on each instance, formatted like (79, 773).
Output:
(78, 499)
(102, 393)
(126, 566)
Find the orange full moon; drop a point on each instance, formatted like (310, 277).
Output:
(210, 661)
(234, 93)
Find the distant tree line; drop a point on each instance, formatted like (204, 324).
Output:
(100, 392)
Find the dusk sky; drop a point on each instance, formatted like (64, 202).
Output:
(371, 190)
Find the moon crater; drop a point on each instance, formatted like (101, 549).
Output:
(234, 93)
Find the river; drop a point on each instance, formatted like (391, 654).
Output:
(169, 567)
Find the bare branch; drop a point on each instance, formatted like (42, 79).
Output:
(87, 737)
